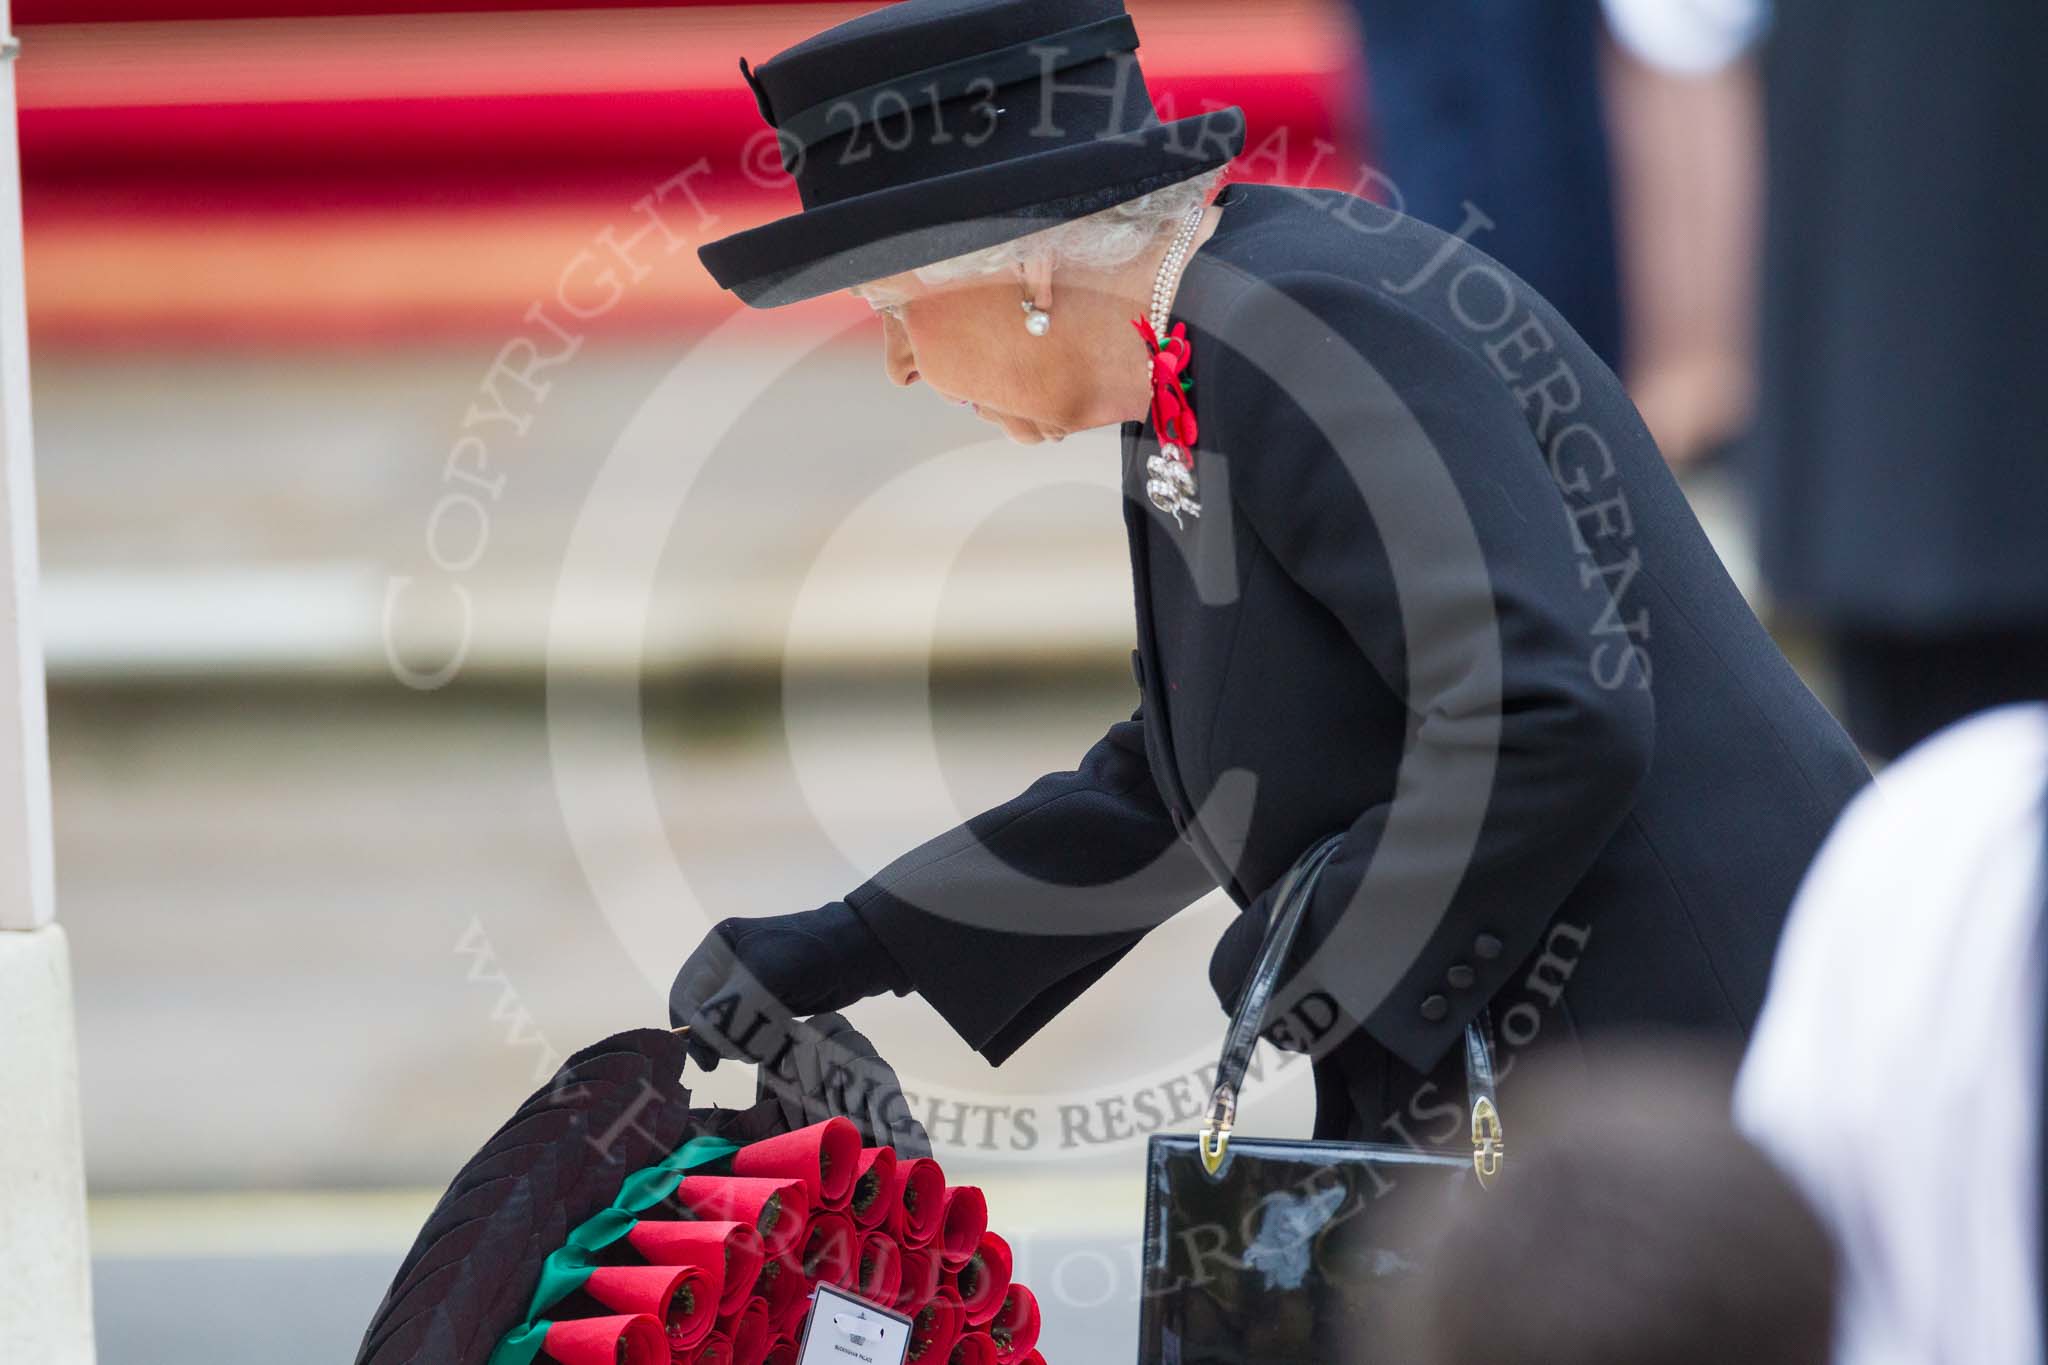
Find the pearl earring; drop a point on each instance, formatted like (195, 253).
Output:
(1036, 320)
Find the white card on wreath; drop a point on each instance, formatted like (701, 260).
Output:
(844, 1330)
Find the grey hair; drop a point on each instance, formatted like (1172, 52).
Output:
(1100, 241)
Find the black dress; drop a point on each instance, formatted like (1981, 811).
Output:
(1443, 594)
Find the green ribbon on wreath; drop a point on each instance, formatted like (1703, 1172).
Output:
(567, 1268)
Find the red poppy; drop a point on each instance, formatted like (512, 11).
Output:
(1173, 417)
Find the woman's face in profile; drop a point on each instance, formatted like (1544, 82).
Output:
(966, 340)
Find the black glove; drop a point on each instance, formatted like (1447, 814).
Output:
(748, 980)
(830, 1068)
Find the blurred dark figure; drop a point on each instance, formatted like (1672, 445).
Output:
(1631, 1225)
(1499, 106)
(1902, 469)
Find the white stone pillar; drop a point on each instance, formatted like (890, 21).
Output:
(45, 1273)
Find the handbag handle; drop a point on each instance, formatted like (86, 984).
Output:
(1290, 907)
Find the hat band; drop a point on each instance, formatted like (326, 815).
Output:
(1099, 100)
(981, 73)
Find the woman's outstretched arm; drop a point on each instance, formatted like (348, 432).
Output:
(1002, 921)
(999, 922)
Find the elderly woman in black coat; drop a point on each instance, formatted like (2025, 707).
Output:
(1408, 567)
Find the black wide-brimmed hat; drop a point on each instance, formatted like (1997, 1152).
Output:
(930, 128)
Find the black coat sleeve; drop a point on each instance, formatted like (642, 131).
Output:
(1390, 472)
(1003, 920)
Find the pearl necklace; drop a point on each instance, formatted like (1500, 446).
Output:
(1171, 485)
(1169, 269)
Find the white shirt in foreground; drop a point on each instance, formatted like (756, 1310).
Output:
(1896, 1071)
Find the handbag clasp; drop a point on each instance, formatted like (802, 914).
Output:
(1489, 1143)
(1215, 1135)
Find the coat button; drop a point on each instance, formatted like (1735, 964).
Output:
(1486, 947)
(1435, 1007)
(1461, 977)
(1138, 667)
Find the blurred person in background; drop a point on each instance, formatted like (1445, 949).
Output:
(1896, 1072)
(1899, 478)
(1688, 169)
(1440, 595)
(1632, 1225)
(1622, 186)
(1487, 121)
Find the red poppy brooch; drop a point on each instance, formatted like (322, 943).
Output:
(1170, 474)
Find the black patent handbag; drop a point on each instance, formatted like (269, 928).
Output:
(1283, 1251)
